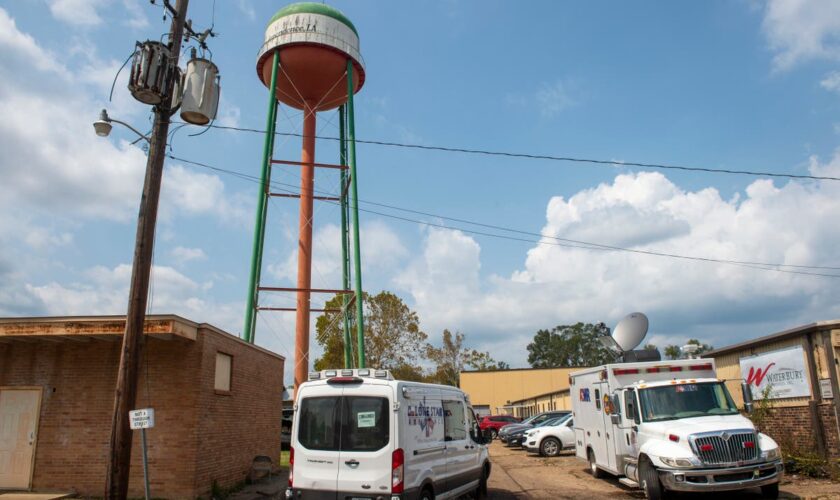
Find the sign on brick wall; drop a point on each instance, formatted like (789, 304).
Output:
(784, 371)
(142, 419)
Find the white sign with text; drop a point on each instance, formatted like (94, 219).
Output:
(784, 371)
(142, 419)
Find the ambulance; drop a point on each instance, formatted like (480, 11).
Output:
(669, 426)
(361, 435)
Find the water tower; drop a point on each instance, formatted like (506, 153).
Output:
(310, 61)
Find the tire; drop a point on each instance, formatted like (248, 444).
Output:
(550, 447)
(650, 482)
(481, 490)
(427, 494)
(770, 491)
(593, 467)
(493, 434)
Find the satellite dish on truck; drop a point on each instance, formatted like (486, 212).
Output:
(630, 331)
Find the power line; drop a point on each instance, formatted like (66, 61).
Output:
(563, 242)
(530, 156)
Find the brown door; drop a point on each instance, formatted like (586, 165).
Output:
(19, 409)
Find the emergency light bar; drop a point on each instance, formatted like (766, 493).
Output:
(663, 369)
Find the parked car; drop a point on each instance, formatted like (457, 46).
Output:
(517, 437)
(361, 434)
(517, 429)
(491, 424)
(550, 439)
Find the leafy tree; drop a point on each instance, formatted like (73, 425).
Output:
(672, 351)
(650, 347)
(393, 339)
(675, 352)
(569, 345)
(452, 357)
(501, 365)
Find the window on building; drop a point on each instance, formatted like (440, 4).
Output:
(224, 371)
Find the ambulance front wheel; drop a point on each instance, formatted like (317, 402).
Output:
(650, 482)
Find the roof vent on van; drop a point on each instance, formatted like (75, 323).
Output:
(314, 375)
(381, 374)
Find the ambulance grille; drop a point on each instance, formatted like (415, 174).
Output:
(727, 447)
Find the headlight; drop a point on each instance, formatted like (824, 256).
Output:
(676, 462)
(772, 454)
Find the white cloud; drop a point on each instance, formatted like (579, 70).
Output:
(77, 12)
(554, 98)
(184, 254)
(831, 82)
(794, 223)
(136, 16)
(802, 30)
(549, 99)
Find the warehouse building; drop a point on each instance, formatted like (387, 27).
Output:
(800, 367)
(217, 403)
(511, 391)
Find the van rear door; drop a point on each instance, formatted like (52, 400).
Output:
(317, 439)
(367, 437)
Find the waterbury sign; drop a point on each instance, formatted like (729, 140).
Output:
(784, 371)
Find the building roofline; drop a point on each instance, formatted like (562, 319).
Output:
(524, 369)
(219, 331)
(190, 326)
(816, 326)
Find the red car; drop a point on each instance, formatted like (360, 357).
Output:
(492, 423)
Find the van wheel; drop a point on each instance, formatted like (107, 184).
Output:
(650, 482)
(481, 490)
(493, 434)
(770, 491)
(593, 467)
(550, 447)
(427, 494)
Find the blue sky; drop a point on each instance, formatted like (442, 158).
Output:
(736, 85)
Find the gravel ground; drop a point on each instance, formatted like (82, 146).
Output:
(517, 474)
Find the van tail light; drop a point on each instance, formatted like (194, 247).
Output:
(397, 470)
(291, 465)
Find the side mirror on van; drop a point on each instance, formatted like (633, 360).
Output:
(746, 392)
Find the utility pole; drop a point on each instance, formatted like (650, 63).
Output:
(119, 457)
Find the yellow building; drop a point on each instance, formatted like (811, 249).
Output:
(555, 400)
(805, 362)
(505, 391)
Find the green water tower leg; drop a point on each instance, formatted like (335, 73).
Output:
(354, 211)
(345, 247)
(262, 200)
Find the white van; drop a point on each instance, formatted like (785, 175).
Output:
(361, 435)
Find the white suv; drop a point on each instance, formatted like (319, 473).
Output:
(548, 440)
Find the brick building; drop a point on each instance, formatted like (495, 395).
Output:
(805, 420)
(217, 402)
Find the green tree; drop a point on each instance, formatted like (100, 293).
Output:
(569, 345)
(672, 351)
(451, 358)
(650, 347)
(393, 339)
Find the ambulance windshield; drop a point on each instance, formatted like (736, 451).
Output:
(671, 402)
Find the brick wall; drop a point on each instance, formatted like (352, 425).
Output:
(792, 426)
(78, 381)
(239, 426)
(199, 436)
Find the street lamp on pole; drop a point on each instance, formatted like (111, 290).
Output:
(103, 126)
